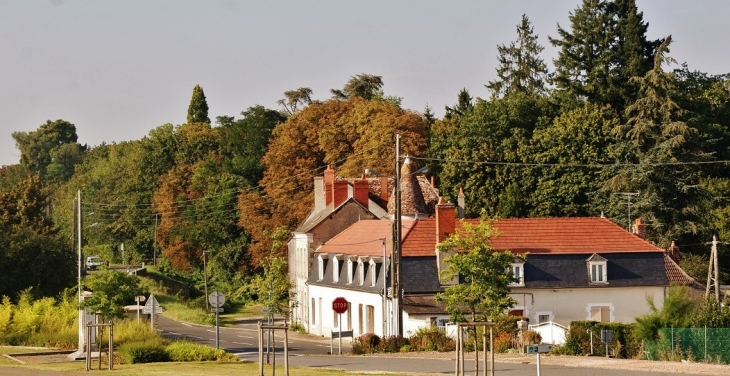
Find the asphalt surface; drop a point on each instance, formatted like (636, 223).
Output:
(312, 351)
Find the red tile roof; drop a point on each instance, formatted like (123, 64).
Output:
(364, 238)
(677, 276)
(584, 235)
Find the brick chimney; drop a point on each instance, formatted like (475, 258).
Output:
(361, 190)
(445, 220)
(384, 194)
(329, 181)
(639, 228)
(339, 192)
(673, 252)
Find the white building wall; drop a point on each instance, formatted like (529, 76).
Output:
(323, 322)
(411, 323)
(566, 305)
(299, 273)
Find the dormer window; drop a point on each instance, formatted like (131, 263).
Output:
(322, 265)
(518, 273)
(597, 269)
(361, 267)
(350, 270)
(336, 268)
(374, 267)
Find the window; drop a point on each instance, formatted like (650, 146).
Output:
(374, 269)
(350, 270)
(600, 312)
(336, 268)
(314, 313)
(322, 264)
(518, 272)
(543, 316)
(597, 269)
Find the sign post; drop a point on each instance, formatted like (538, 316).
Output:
(152, 308)
(216, 300)
(339, 305)
(138, 299)
(537, 350)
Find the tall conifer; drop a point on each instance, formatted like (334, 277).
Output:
(198, 109)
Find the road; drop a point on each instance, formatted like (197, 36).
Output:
(312, 351)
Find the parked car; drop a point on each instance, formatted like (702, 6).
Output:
(94, 262)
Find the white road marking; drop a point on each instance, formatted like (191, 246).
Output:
(188, 325)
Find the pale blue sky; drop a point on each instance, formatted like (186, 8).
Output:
(118, 69)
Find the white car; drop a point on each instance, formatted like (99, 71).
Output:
(93, 262)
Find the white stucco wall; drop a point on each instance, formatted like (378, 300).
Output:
(566, 305)
(323, 322)
(298, 273)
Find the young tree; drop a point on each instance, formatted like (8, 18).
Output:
(198, 108)
(520, 67)
(111, 291)
(483, 274)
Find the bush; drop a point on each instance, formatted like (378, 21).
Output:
(503, 342)
(531, 337)
(365, 344)
(149, 351)
(185, 351)
(623, 345)
(431, 339)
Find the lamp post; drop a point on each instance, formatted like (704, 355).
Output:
(78, 224)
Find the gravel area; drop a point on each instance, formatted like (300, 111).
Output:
(38, 358)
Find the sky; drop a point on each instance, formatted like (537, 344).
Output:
(118, 69)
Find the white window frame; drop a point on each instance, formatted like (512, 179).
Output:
(361, 273)
(598, 272)
(551, 316)
(373, 272)
(611, 316)
(520, 273)
(349, 270)
(320, 262)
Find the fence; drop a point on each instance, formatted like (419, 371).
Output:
(710, 345)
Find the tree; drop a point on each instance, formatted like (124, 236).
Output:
(37, 148)
(111, 291)
(483, 274)
(273, 288)
(365, 86)
(198, 108)
(293, 99)
(677, 311)
(607, 46)
(520, 67)
(579, 138)
(671, 199)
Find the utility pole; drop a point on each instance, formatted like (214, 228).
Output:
(396, 256)
(154, 245)
(713, 272)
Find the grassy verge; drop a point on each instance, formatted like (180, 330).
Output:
(191, 369)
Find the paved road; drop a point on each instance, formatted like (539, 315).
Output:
(311, 351)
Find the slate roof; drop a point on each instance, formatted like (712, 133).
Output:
(422, 304)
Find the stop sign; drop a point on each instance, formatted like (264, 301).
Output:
(339, 305)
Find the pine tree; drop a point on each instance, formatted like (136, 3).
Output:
(198, 109)
(520, 67)
(605, 48)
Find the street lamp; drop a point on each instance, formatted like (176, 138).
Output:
(78, 224)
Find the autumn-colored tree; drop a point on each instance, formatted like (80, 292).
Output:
(351, 135)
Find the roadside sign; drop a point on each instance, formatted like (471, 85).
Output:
(266, 310)
(217, 310)
(339, 305)
(140, 298)
(538, 349)
(216, 299)
(152, 306)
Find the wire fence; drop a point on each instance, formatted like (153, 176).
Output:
(709, 345)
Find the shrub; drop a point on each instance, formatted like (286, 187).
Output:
(503, 342)
(431, 339)
(185, 351)
(531, 337)
(578, 339)
(365, 344)
(149, 351)
(392, 344)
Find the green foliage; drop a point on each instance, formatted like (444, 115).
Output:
(42, 322)
(623, 345)
(112, 290)
(185, 351)
(198, 108)
(711, 314)
(677, 311)
(431, 339)
(520, 67)
(484, 275)
(273, 288)
(366, 86)
(149, 351)
(52, 143)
